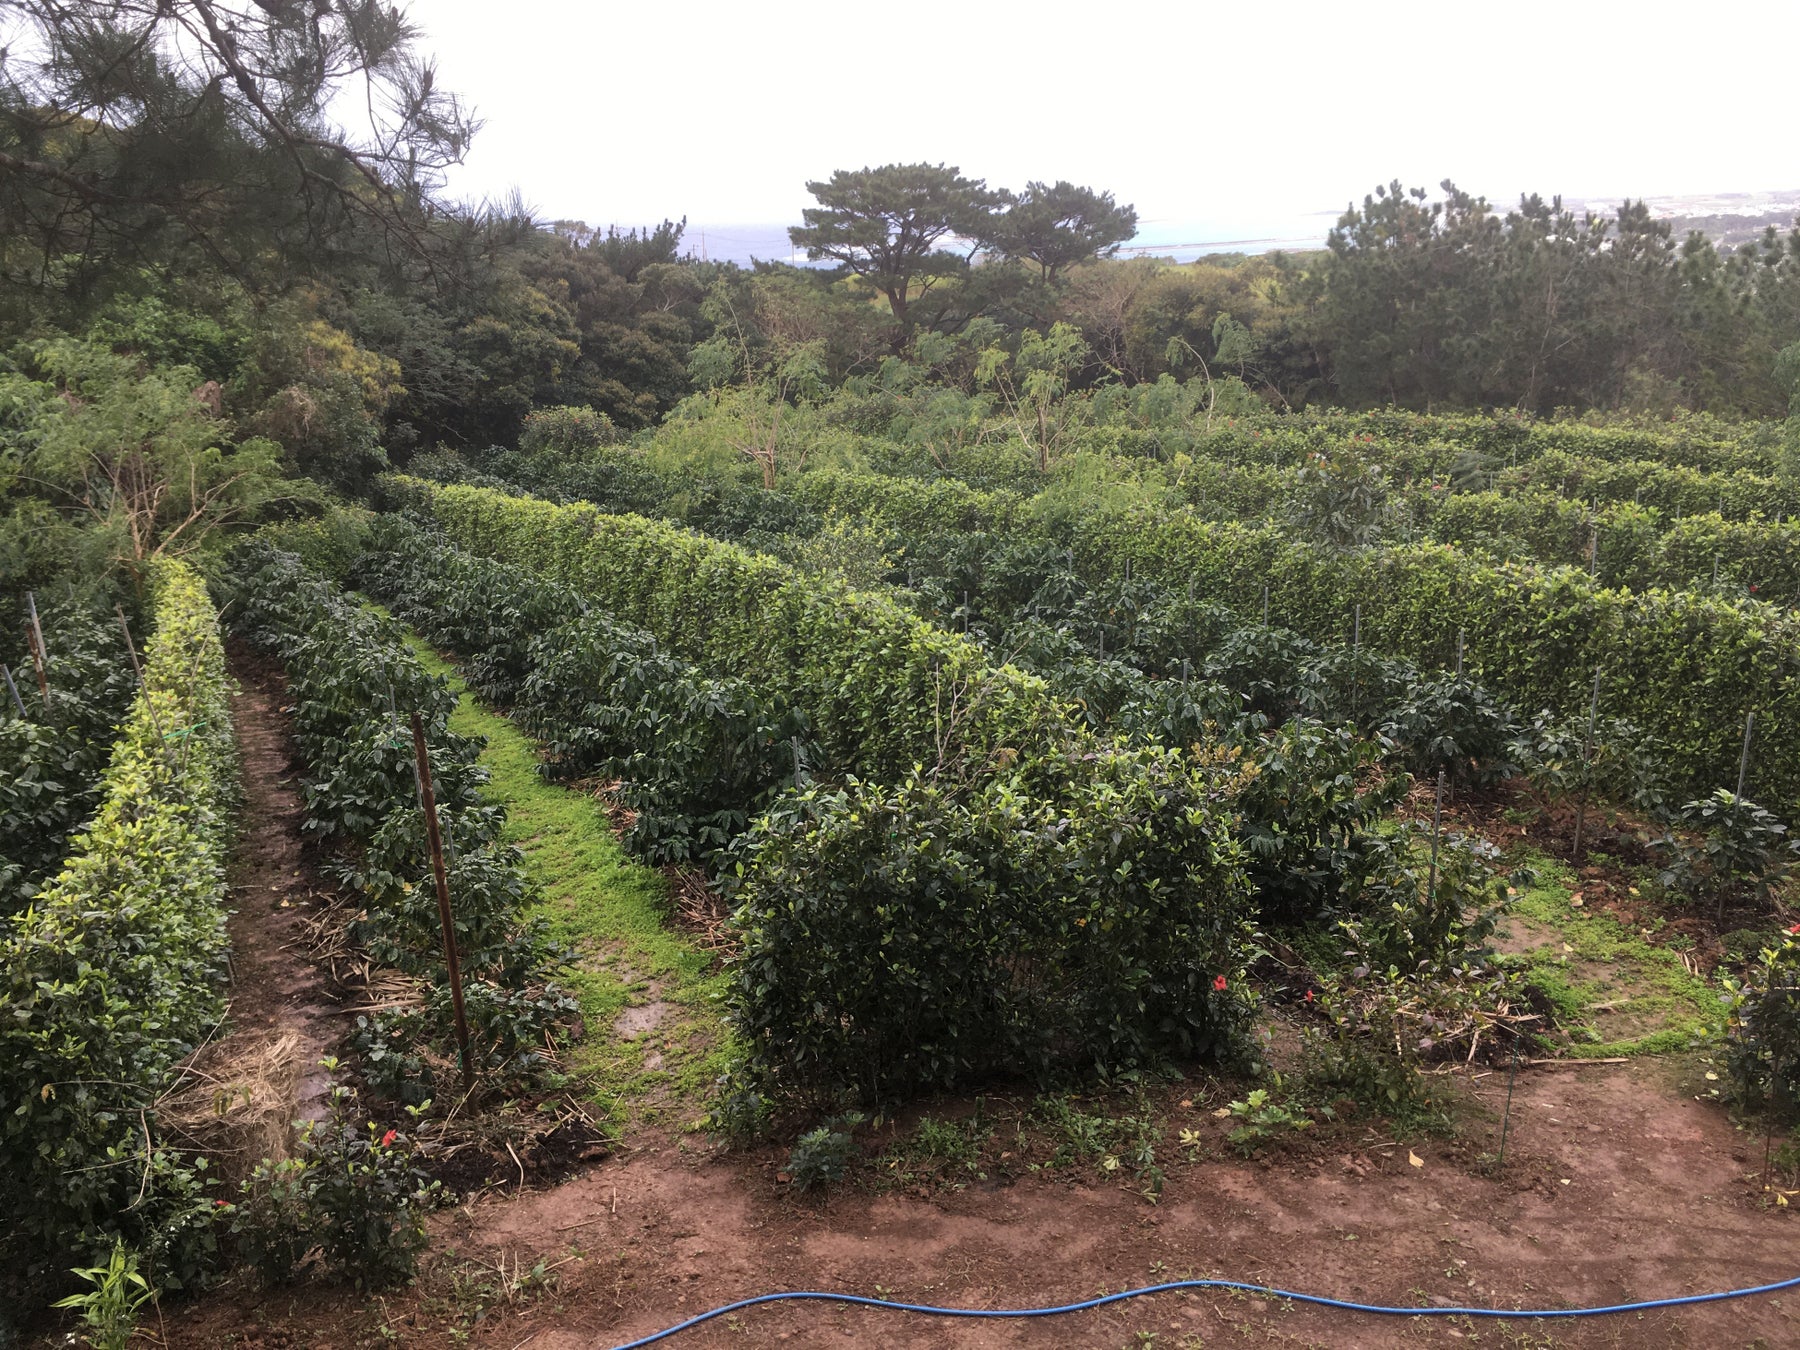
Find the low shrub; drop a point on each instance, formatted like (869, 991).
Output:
(1743, 854)
(353, 1193)
(1762, 1049)
(822, 1156)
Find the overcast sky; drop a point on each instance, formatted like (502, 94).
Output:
(1195, 112)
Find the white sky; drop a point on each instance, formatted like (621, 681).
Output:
(627, 112)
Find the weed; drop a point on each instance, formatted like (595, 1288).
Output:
(1261, 1121)
(110, 1306)
(822, 1157)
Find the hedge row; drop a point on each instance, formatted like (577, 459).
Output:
(882, 690)
(1430, 443)
(115, 973)
(913, 506)
(1676, 490)
(52, 758)
(1632, 547)
(355, 683)
(695, 757)
(1686, 668)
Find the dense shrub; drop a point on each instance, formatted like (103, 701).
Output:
(695, 756)
(115, 972)
(1681, 666)
(901, 939)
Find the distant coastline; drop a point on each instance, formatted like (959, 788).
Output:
(1729, 218)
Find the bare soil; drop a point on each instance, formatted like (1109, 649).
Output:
(275, 988)
(1617, 1187)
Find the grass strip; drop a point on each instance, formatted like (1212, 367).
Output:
(613, 913)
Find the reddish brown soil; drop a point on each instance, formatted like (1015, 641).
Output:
(275, 988)
(1662, 1198)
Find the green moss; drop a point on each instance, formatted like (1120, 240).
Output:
(1614, 992)
(614, 913)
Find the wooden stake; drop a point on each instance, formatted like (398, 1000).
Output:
(428, 799)
(1437, 823)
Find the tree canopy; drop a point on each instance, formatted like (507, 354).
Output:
(886, 225)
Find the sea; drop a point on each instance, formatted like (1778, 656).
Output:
(1177, 240)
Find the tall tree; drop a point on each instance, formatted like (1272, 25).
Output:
(125, 124)
(886, 225)
(1059, 225)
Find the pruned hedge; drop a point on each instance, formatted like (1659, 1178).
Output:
(1684, 667)
(882, 690)
(115, 973)
(1089, 916)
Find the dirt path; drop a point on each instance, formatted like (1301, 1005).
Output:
(1616, 1189)
(265, 1073)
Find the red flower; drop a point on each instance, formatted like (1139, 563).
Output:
(1795, 928)
(1753, 588)
(1219, 983)
(388, 1138)
(1309, 996)
(222, 1204)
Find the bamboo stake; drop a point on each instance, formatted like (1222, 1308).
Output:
(35, 640)
(428, 799)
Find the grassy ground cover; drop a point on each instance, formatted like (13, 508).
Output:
(1614, 991)
(649, 998)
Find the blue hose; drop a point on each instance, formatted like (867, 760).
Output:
(813, 1295)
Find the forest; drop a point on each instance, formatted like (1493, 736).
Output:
(972, 667)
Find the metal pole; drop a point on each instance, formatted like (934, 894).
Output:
(1587, 754)
(428, 800)
(13, 689)
(1356, 628)
(1744, 759)
(1437, 822)
(1506, 1118)
(1265, 605)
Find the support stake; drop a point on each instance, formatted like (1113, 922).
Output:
(35, 640)
(428, 799)
(1587, 754)
(13, 689)
(1744, 759)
